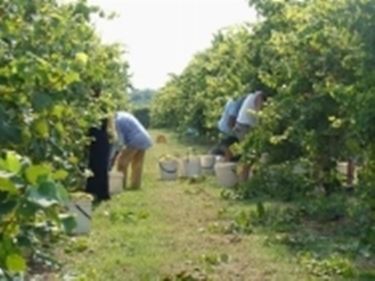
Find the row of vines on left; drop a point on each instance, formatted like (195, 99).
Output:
(51, 62)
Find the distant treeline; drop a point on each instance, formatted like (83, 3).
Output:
(141, 97)
(140, 100)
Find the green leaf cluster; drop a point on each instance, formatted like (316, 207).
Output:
(51, 64)
(31, 201)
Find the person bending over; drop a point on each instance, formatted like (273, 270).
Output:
(134, 140)
(247, 120)
(226, 125)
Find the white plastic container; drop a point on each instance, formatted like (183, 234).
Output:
(342, 168)
(226, 174)
(168, 169)
(193, 167)
(207, 164)
(115, 182)
(183, 167)
(82, 211)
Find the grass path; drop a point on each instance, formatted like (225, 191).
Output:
(171, 229)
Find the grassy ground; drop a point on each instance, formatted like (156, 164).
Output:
(175, 231)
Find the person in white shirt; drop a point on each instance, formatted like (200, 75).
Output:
(226, 125)
(246, 120)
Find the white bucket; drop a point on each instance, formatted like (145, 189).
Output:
(226, 174)
(345, 172)
(193, 167)
(207, 164)
(342, 168)
(183, 167)
(82, 211)
(115, 182)
(168, 169)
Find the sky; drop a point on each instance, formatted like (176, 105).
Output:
(161, 36)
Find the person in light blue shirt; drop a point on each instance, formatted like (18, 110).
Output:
(131, 132)
(226, 125)
(133, 141)
(228, 118)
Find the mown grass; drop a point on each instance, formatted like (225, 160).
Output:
(178, 230)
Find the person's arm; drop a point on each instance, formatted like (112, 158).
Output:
(258, 102)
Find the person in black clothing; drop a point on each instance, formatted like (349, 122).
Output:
(99, 149)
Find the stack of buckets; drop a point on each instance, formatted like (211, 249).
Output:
(192, 166)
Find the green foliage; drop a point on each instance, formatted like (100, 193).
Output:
(30, 200)
(330, 208)
(365, 211)
(281, 181)
(316, 56)
(241, 224)
(321, 232)
(316, 59)
(197, 274)
(78, 245)
(52, 66)
(143, 115)
(51, 60)
(141, 98)
(325, 268)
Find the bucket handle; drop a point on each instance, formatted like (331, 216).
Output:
(166, 170)
(82, 211)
